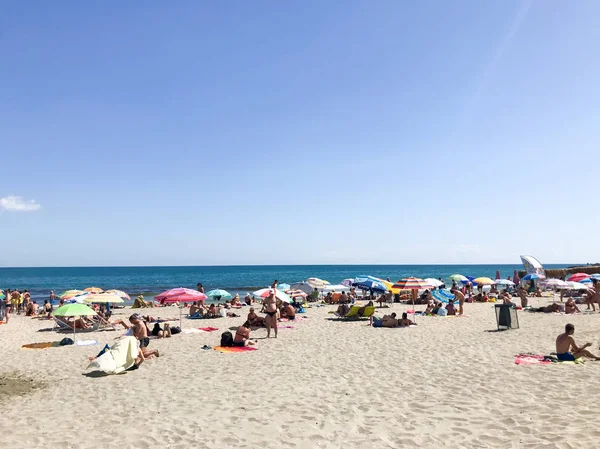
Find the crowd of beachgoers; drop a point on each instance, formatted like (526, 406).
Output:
(270, 306)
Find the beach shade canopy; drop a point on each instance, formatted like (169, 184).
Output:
(347, 282)
(75, 309)
(70, 294)
(554, 283)
(411, 284)
(434, 282)
(369, 284)
(296, 294)
(93, 290)
(316, 282)
(180, 295)
(102, 298)
(119, 293)
(279, 294)
(578, 277)
(219, 294)
(457, 278)
(483, 281)
(504, 282)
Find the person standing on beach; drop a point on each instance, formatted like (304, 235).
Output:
(200, 287)
(523, 295)
(458, 296)
(270, 307)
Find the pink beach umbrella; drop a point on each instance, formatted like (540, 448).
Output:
(180, 295)
(578, 277)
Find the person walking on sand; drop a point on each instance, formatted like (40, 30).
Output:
(565, 343)
(270, 308)
(460, 297)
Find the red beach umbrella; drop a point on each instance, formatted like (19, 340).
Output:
(578, 277)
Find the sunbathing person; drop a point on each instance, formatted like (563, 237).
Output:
(254, 320)
(242, 335)
(571, 306)
(450, 308)
(344, 298)
(235, 302)
(404, 322)
(386, 321)
(140, 331)
(552, 308)
(362, 309)
(342, 310)
(288, 311)
(565, 343)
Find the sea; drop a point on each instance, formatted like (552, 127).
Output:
(150, 281)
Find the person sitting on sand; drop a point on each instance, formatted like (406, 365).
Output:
(430, 307)
(450, 307)
(254, 320)
(571, 306)
(288, 311)
(494, 289)
(248, 299)
(235, 302)
(47, 308)
(405, 322)
(329, 298)
(565, 343)
(386, 321)
(523, 295)
(242, 336)
(140, 331)
(343, 298)
(538, 292)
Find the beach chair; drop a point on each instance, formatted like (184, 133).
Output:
(368, 313)
(61, 325)
(352, 313)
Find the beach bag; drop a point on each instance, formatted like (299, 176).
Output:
(226, 339)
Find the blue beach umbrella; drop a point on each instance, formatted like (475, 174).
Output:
(369, 284)
(531, 277)
(219, 294)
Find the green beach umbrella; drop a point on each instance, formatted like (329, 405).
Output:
(457, 277)
(218, 293)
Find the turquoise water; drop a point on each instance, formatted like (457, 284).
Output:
(236, 279)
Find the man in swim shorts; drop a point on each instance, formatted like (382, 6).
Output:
(140, 331)
(386, 321)
(565, 343)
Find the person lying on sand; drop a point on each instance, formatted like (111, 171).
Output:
(571, 306)
(565, 343)
(254, 320)
(165, 332)
(288, 311)
(242, 335)
(386, 321)
(404, 322)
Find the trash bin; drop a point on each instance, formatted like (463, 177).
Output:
(506, 317)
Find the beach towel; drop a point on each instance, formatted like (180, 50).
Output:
(120, 357)
(234, 348)
(86, 342)
(540, 359)
(43, 345)
(208, 329)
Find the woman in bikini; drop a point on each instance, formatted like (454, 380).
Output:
(270, 307)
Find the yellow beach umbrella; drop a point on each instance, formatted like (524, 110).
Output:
(93, 290)
(483, 281)
(102, 298)
(119, 293)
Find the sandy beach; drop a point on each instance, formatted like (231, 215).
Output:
(447, 382)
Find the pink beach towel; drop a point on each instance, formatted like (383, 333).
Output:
(208, 329)
(228, 349)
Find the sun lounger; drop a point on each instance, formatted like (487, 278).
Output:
(61, 325)
(368, 313)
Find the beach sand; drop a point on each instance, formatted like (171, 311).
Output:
(447, 382)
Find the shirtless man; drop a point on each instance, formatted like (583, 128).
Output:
(270, 308)
(242, 335)
(288, 312)
(404, 322)
(450, 308)
(523, 295)
(565, 343)
(571, 307)
(386, 321)
(458, 295)
(140, 331)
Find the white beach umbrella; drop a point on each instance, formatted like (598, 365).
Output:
(569, 285)
(554, 283)
(334, 288)
(434, 282)
(317, 283)
(504, 282)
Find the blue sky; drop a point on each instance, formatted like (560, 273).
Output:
(184, 133)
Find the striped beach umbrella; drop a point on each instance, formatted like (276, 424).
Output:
(70, 294)
(412, 284)
(296, 294)
(119, 293)
(102, 298)
(279, 294)
(316, 282)
(578, 277)
(93, 290)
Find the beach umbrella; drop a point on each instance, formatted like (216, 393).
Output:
(316, 282)
(570, 285)
(76, 299)
(434, 282)
(388, 284)
(296, 294)
(102, 298)
(586, 281)
(74, 310)
(457, 278)
(219, 294)
(347, 282)
(483, 281)
(365, 283)
(283, 286)
(119, 293)
(504, 282)
(554, 283)
(279, 294)
(93, 290)
(578, 277)
(180, 295)
(595, 276)
(412, 283)
(531, 277)
(70, 293)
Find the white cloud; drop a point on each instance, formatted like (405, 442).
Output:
(17, 203)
